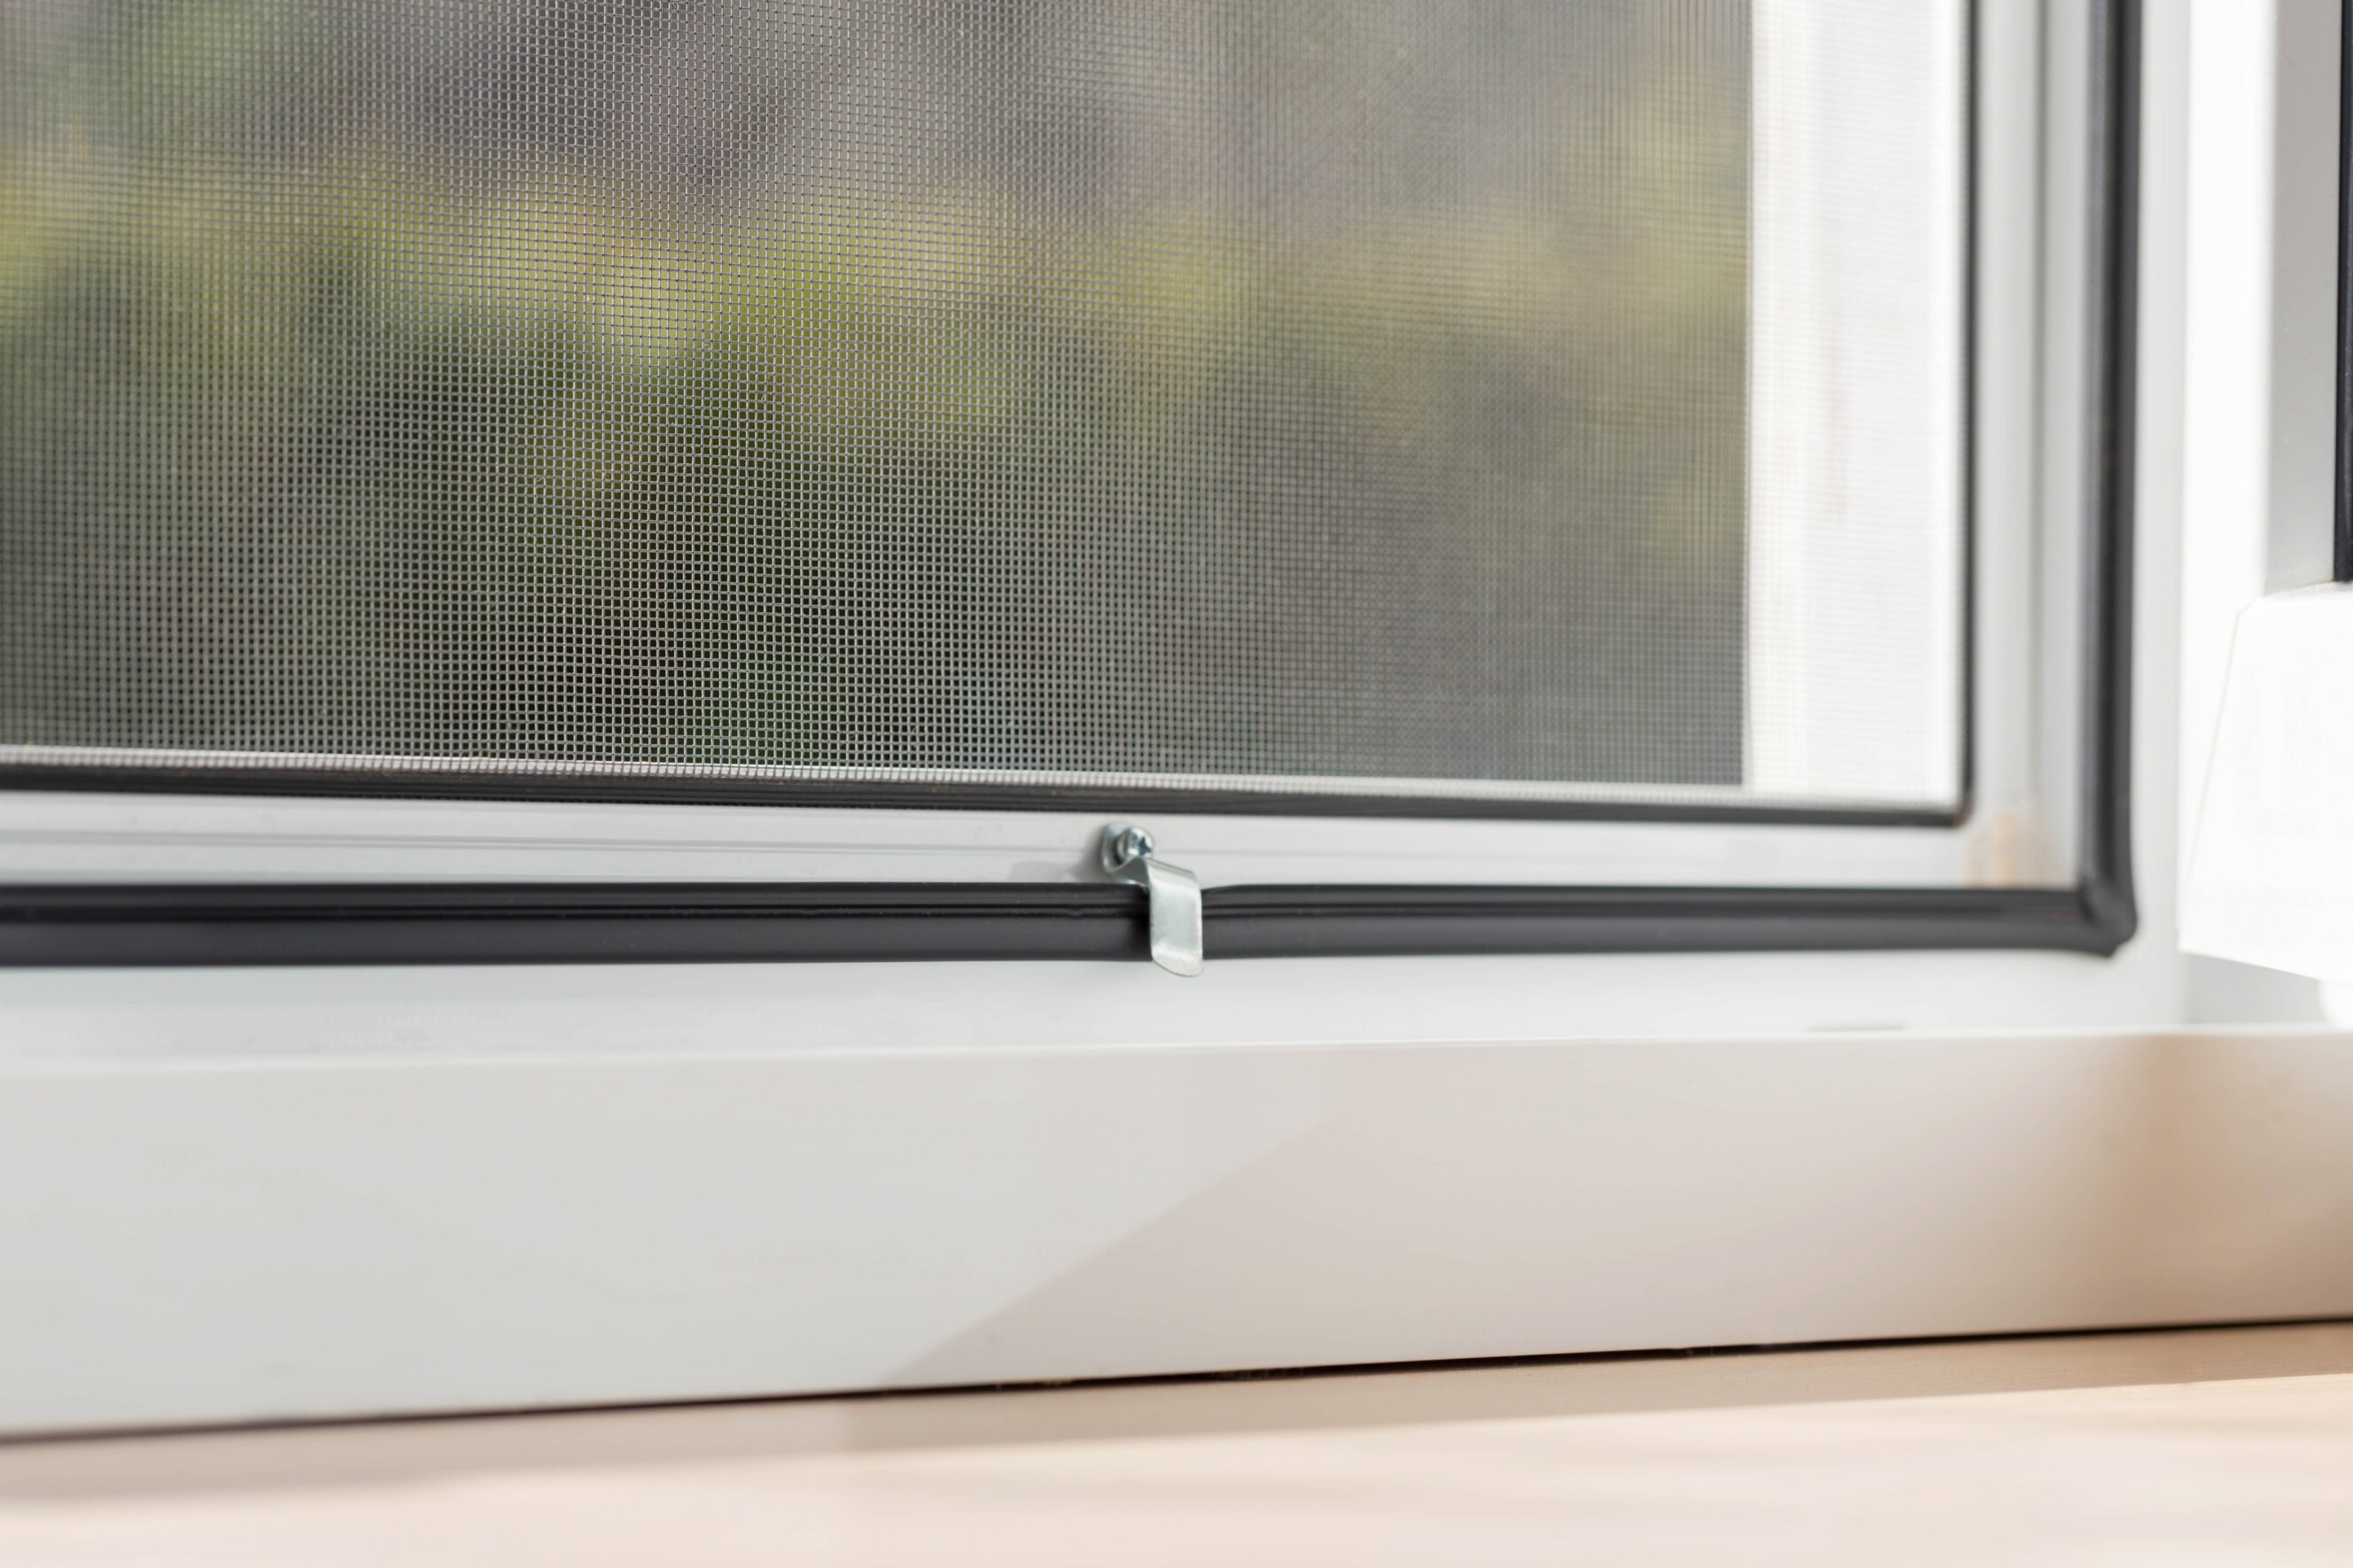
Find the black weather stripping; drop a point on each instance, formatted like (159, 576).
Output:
(84, 926)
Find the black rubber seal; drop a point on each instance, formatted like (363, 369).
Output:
(82, 927)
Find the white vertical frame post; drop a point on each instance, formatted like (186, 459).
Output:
(1859, 271)
(2258, 391)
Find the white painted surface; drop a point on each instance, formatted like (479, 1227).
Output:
(136, 838)
(239, 1243)
(2260, 330)
(191, 1018)
(2226, 392)
(2270, 879)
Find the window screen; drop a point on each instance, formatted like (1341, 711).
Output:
(1533, 399)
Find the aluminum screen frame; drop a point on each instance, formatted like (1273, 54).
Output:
(162, 770)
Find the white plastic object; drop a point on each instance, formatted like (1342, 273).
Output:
(2270, 880)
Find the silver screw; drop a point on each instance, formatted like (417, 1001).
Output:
(1123, 846)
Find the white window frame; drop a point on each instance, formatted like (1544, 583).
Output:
(2015, 827)
(234, 1193)
(353, 875)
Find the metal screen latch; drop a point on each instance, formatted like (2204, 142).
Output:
(1175, 894)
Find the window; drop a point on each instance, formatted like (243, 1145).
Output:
(1520, 411)
(1302, 401)
(1604, 532)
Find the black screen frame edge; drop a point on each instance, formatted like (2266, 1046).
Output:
(2343, 551)
(642, 788)
(119, 925)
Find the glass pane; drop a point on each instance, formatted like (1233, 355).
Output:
(1337, 395)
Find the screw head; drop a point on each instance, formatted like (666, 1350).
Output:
(1123, 845)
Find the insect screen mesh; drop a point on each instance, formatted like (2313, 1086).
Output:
(1209, 391)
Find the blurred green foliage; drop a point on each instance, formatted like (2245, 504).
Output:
(327, 426)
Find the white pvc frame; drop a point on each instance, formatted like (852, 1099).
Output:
(1859, 271)
(259, 1195)
(1824, 493)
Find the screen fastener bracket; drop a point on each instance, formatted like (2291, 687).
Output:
(1174, 896)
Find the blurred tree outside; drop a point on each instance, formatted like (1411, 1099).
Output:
(1323, 387)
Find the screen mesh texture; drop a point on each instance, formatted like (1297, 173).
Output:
(1319, 394)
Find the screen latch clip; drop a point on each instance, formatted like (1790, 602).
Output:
(1175, 894)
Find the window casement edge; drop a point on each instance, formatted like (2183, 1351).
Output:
(88, 925)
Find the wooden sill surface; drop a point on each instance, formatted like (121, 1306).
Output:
(2215, 1446)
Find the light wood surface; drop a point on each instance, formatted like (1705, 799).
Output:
(2231, 1447)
